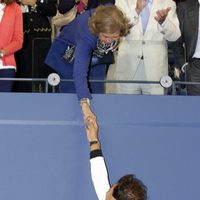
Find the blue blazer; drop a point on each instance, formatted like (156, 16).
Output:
(75, 33)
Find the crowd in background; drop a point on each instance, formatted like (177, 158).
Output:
(131, 40)
(147, 53)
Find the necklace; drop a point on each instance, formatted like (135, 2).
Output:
(104, 48)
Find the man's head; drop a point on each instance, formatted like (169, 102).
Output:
(127, 188)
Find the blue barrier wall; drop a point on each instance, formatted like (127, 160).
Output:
(44, 153)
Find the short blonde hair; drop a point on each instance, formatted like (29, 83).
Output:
(109, 19)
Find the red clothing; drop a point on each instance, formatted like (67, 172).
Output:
(81, 7)
(11, 33)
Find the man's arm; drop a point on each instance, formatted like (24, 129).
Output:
(168, 23)
(177, 47)
(179, 52)
(98, 168)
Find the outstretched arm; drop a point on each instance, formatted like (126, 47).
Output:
(98, 168)
(88, 115)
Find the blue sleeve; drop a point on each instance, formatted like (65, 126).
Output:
(78, 33)
(84, 49)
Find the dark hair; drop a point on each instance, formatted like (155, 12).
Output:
(130, 188)
(8, 1)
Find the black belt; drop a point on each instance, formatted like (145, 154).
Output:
(142, 57)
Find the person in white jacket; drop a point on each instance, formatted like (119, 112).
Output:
(127, 188)
(143, 53)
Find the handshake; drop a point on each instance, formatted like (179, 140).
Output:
(92, 135)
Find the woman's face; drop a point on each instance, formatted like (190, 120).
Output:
(108, 38)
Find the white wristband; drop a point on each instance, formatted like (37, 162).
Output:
(85, 100)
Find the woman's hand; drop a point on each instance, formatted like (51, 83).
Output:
(88, 115)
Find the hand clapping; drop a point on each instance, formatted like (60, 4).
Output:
(161, 15)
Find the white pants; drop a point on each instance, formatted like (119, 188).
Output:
(132, 88)
(135, 88)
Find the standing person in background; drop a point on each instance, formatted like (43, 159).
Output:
(66, 5)
(189, 17)
(143, 55)
(128, 187)
(11, 39)
(37, 41)
(97, 30)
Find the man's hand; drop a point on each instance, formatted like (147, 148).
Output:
(88, 115)
(161, 15)
(140, 5)
(177, 73)
(92, 131)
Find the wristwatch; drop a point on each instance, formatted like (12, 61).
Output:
(94, 142)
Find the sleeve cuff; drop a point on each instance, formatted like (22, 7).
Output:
(95, 153)
(162, 27)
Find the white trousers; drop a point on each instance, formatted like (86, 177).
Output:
(135, 88)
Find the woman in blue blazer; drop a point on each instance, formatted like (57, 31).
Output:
(95, 31)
